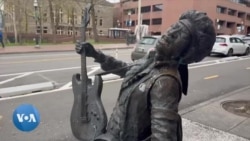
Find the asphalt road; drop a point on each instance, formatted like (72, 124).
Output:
(213, 77)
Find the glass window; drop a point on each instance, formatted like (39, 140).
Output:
(100, 22)
(221, 9)
(145, 9)
(156, 21)
(148, 41)
(232, 40)
(248, 17)
(157, 7)
(129, 11)
(220, 40)
(231, 12)
(239, 40)
(147, 21)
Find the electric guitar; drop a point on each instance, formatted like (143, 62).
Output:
(88, 117)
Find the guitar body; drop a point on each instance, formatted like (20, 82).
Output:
(88, 130)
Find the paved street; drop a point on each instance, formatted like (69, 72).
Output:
(211, 80)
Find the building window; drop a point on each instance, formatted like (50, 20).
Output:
(220, 24)
(145, 9)
(147, 21)
(101, 33)
(75, 17)
(60, 15)
(156, 21)
(100, 22)
(45, 29)
(59, 31)
(221, 9)
(70, 31)
(231, 12)
(241, 14)
(38, 29)
(230, 24)
(157, 7)
(96, 20)
(248, 17)
(129, 23)
(127, 11)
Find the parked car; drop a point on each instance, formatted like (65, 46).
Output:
(230, 45)
(144, 46)
(245, 38)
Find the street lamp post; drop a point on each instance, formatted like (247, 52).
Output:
(242, 27)
(129, 20)
(139, 18)
(37, 38)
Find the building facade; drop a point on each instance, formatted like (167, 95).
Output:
(23, 17)
(229, 16)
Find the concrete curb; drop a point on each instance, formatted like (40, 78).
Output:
(25, 89)
(41, 51)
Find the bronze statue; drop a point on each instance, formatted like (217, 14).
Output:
(147, 106)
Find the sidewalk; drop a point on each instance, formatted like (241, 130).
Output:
(209, 120)
(57, 48)
(203, 122)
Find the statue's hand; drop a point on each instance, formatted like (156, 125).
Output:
(89, 49)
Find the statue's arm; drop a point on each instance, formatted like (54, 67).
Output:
(164, 100)
(110, 63)
(107, 62)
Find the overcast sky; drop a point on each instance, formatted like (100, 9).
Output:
(113, 1)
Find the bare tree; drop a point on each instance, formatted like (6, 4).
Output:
(73, 14)
(94, 20)
(55, 7)
(93, 15)
(20, 11)
(10, 11)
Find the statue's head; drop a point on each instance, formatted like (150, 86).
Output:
(188, 40)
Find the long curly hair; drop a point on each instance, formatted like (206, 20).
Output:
(203, 36)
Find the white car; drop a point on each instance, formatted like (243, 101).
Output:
(230, 45)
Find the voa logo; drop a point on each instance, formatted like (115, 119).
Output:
(26, 117)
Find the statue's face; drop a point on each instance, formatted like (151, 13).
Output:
(174, 41)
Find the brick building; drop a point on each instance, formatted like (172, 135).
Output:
(229, 16)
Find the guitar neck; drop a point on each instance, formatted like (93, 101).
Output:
(84, 79)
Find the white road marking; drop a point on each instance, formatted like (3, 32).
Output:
(94, 69)
(50, 70)
(216, 63)
(33, 94)
(12, 79)
(111, 81)
(69, 84)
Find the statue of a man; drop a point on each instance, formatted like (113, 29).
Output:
(147, 106)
